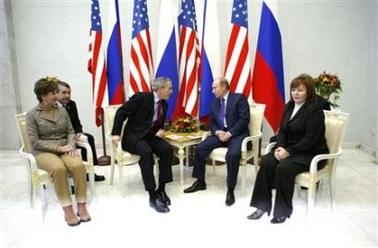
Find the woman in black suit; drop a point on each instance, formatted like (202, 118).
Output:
(300, 138)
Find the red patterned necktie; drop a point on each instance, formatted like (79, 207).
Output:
(158, 112)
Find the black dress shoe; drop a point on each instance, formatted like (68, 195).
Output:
(97, 178)
(230, 198)
(197, 185)
(164, 197)
(159, 206)
(278, 220)
(256, 215)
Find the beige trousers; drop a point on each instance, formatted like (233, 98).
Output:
(60, 168)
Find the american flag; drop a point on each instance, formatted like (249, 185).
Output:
(189, 57)
(238, 64)
(141, 63)
(96, 62)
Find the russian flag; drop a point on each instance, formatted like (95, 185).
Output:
(210, 66)
(114, 57)
(167, 50)
(268, 76)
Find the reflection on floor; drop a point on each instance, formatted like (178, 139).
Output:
(121, 216)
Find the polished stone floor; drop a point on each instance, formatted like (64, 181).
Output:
(121, 216)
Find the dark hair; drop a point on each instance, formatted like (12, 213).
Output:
(64, 84)
(160, 82)
(44, 86)
(308, 82)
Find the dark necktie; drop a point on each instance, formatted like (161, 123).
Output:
(221, 113)
(155, 125)
(158, 112)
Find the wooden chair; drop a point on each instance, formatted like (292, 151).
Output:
(335, 123)
(38, 178)
(255, 124)
(118, 156)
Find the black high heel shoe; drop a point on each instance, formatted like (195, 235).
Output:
(278, 219)
(256, 215)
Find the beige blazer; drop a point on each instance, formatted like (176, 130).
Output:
(46, 133)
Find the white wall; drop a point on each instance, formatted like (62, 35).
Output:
(51, 38)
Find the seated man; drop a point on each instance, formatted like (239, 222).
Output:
(143, 135)
(229, 119)
(64, 99)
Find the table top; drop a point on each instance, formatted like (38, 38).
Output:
(182, 137)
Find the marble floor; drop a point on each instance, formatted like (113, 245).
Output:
(121, 216)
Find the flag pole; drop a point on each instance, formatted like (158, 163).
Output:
(104, 159)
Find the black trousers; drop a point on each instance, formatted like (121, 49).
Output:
(203, 150)
(91, 143)
(146, 148)
(281, 176)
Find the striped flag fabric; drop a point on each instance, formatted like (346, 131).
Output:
(114, 57)
(189, 56)
(268, 76)
(210, 66)
(141, 62)
(238, 64)
(96, 62)
(167, 64)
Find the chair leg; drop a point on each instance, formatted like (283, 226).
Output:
(332, 192)
(120, 173)
(311, 192)
(92, 184)
(311, 197)
(32, 194)
(112, 165)
(39, 200)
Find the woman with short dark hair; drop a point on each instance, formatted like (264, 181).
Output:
(52, 139)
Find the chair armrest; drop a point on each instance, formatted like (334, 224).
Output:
(88, 148)
(205, 135)
(248, 139)
(269, 147)
(320, 157)
(315, 160)
(30, 157)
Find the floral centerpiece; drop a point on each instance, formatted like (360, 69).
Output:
(184, 125)
(328, 85)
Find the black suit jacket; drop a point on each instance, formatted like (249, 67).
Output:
(304, 135)
(74, 116)
(138, 111)
(237, 115)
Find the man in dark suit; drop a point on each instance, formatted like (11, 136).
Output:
(64, 99)
(228, 126)
(143, 135)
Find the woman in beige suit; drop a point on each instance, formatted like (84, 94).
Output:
(53, 143)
